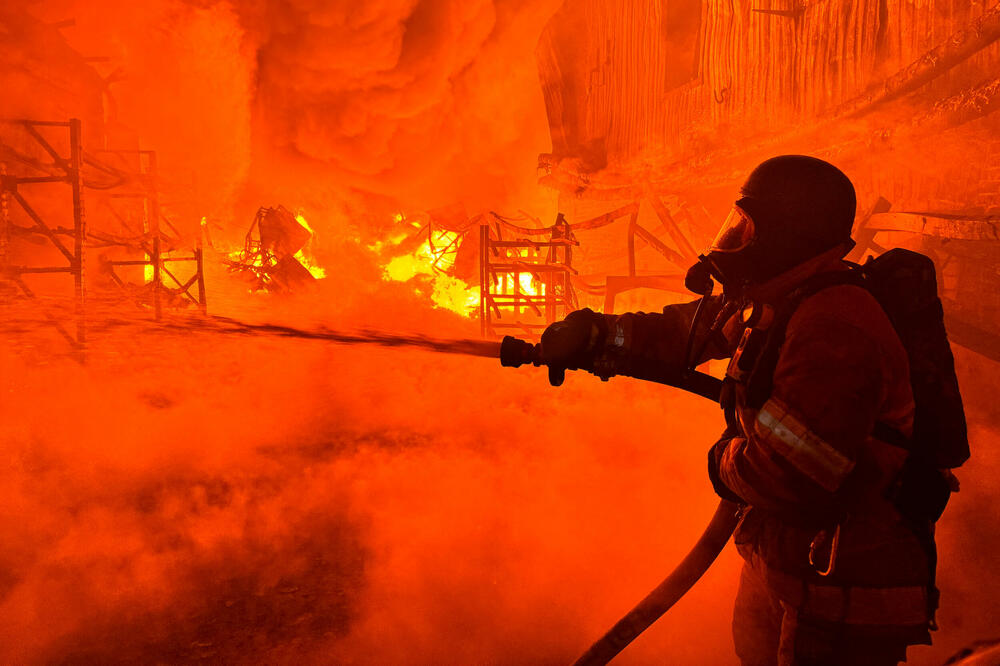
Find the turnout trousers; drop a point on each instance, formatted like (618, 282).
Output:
(770, 632)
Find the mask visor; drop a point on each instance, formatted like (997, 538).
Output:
(736, 233)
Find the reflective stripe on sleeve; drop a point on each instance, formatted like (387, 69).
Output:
(787, 436)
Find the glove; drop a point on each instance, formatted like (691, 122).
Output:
(714, 461)
(572, 343)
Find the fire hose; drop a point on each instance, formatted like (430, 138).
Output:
(514, 353)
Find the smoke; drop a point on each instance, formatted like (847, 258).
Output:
(177, 78)
(347, 112)
(208, 497)
(428, 102)
(204, 497)
(239, 500)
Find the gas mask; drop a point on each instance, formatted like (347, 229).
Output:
(732, 257)
(792, 208)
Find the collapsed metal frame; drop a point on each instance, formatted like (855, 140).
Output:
(150, 238)
(63, 169)
(682, 257)
(263, 262)
(503, 262)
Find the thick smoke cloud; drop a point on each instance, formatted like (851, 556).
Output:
(414, 104)
(430, 102)
(179, 80)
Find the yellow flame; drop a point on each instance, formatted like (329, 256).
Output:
(530, 286)
(453, 294)
(302, 220)
(433, 259)
(310, 265)
(304, 255)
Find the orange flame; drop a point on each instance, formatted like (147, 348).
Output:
(434, 259)
(304, 255)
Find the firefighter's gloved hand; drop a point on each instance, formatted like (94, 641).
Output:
(572, 343)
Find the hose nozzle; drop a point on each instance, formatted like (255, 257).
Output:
(515, 352)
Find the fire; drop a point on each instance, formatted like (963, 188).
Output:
(265, 258)
(239, 256)
(433, 259)
(530, 285)
(304, 255)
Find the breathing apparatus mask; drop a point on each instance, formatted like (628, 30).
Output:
(792, 208)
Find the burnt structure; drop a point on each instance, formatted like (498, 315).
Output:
(270, 259)
(146, 238)
(525, 276)
(680, 99)
(43, 155)
(45, 174)
(79, 223)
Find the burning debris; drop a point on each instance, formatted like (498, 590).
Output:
(431, 254)
(276, 255)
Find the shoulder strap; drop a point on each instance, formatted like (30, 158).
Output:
(761, 380)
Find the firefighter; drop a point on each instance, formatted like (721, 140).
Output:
(833, 572)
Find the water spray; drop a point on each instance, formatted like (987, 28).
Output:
(465, 347)
(229, 326)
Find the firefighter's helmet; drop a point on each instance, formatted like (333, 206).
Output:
(791, 209)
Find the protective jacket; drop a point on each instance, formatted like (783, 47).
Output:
(816, 526)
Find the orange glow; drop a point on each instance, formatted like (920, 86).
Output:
(530, 285)
(191, 496)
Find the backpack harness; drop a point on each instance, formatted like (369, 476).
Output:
(905, 285)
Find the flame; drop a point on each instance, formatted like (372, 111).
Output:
(433, 259)
(454, 294)
(251, 256)
(530, 285)
(302, 220)
(527, 283)
(304, 256)
(239, 256)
